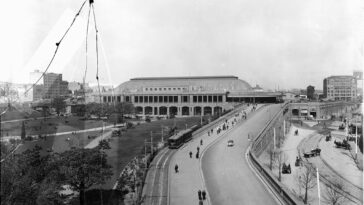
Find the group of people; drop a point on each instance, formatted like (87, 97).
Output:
(225, 126)
(201, 196)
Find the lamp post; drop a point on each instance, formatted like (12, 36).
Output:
(318, 185)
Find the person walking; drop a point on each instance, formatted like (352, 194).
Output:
(190, 154)
(199, 195)
(203, 195)
(198, 148)
(197, 155)
(176, 168)
(201, 142)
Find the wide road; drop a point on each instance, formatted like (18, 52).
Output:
(228, 177)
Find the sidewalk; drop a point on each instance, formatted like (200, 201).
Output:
(184, 185)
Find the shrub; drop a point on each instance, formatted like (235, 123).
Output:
(129, 125)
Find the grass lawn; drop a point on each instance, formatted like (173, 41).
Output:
(131, 143)
(60, 143)
(49, 126)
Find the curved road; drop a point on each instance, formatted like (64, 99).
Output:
(228, 178)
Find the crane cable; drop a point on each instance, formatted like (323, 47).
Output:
(57, 47)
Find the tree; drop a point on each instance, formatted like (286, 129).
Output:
(104, 144)
(22, 134)
(125, 108)
(23, 178)
(83, 168)
(59, 104)
(332, 195)
(306, 180)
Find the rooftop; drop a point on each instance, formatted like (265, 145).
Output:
(185, 77)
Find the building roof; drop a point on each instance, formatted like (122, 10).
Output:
(341, 76)
(185, 77)
(194, 84)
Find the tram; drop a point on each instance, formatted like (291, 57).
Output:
(177, 140)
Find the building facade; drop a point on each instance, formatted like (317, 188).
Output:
(340, 88)
(54, 86)
(184, 96)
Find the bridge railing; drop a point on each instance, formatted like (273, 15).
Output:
(277, 186)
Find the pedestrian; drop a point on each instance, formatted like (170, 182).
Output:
(176, 168)
(208, 133)
(212, 131)
(190, 154)
(203, 195)
(201, 142)
(197, 155)
(199, 195)
(198, 149)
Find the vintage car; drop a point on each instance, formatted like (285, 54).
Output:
(298, 162)
(230, 143)
(312, 153)
(344, 144)
(328, 138)
(286, 169)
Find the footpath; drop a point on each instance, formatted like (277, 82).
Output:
(184, 185)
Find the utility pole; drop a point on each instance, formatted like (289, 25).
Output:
(318, 185)
(162, 134)
(145, 152)
(356, 140)
(201, 117)
(274, 138)
(151, 143)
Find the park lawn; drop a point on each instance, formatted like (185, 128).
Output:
(50, 125)
(131, 143)
(60, 143)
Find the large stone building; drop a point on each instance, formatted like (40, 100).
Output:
(340, 88)
(185, 96)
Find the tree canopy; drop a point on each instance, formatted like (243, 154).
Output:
(30, 178)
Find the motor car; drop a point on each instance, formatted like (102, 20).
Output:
(230, 143)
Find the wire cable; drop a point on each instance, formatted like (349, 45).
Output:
(88, 23)
(57, 47)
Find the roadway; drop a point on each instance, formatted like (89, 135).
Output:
(227, 175)
(184, 185)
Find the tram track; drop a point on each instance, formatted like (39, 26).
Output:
(157, 183)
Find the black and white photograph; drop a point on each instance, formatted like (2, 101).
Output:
(197, 102)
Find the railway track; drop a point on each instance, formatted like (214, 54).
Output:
(157, 179)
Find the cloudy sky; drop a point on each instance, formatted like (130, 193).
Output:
(285, 43)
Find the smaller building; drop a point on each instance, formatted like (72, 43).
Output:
(290, 97)
(38, 92)
(310, 92)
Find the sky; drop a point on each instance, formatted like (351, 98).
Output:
(281, 43)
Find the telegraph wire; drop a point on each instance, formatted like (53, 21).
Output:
(57, 47)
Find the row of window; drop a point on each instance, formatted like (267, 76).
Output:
(175, 99)
(167, 99)
(164, 89)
